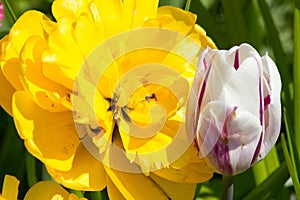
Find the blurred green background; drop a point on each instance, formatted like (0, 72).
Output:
(268, 25)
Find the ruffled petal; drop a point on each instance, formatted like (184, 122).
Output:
(62, 58)
(87, 173)
(30, 23)
(135, 12)
(200, 36)
(46, 93)
(176, 19)
(70, 10)
(6, 94)
(195, 170)
(150, 152)
(51, 137)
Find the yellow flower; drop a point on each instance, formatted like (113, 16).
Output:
(46, 190)
(40, 60)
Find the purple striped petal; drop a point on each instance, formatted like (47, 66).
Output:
(236, 60)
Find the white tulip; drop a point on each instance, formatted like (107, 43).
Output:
(234, 109)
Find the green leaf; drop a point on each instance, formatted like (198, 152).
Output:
(297, 78)
(197, 190)
(271, 186)
(30, 169)
(291, 145)
(291, 167)
(11, 11)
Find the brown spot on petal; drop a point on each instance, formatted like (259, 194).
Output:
(224, 139)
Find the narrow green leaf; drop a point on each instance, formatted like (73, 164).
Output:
(272, 160)
(30, 169)
(10, 10)
(297, 78)
(291, 167)
(198, 187)
(188, 5)
(291, 145)
(266, 167)
(260, 172)
(271, 186)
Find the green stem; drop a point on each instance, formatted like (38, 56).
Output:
(188, 5)
(30, 169)
(227, 187)
(297, 78)
(10, 10)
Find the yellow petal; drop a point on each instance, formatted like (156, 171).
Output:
(87, 173)
(9, 62)
(134, 186)
(176, 19)
(51, 137)
(30, 23)
(200, 36)
(113, 192)
(62, 58)
(196, 171)
(85, 17)
(175, 191)
(75, 197)
(111, 16)
(68, 9)
(10, 187)
(86, 28)
(6, 94)
(46, 93)
(46, 190)
(135, 12)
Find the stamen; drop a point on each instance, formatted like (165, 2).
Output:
(153, 96)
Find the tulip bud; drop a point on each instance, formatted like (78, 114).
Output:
(234, 109)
